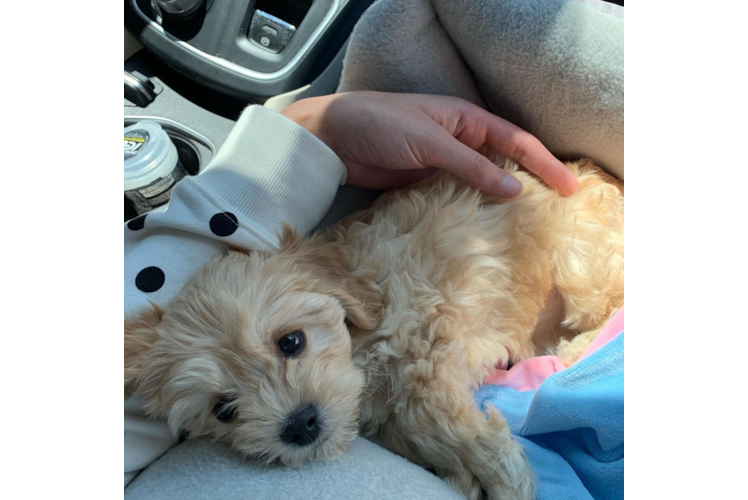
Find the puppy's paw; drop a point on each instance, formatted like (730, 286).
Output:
(518, 479)
(465, 482)
(569, 351)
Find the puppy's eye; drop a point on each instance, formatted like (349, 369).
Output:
(223, 411)
(291, 343)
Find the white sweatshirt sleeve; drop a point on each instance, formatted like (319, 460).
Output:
(269, 171)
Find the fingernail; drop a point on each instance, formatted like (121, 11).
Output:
(510, 187)
(574, 187)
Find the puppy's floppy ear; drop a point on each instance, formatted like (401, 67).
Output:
(363, 303)
(140, 335)
(359, 296)
(327, 263)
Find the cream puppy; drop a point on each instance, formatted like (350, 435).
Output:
(385, 324)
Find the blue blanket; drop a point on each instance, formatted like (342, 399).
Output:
(572, 426)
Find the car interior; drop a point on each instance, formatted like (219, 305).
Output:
(193, 67)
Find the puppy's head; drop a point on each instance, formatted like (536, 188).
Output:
(256, 352)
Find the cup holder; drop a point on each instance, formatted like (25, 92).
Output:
(195, 151)
(188, 155)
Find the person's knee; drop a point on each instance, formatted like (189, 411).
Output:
(206, 470)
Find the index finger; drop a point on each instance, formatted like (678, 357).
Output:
(524, 148)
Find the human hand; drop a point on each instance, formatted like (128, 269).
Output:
(389, 140)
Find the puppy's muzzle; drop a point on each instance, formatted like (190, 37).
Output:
(302, 427)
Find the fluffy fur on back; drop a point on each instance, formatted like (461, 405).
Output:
(405, 308)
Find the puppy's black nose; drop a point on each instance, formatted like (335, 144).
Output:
(302, 427)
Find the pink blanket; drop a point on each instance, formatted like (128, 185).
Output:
(527, 375)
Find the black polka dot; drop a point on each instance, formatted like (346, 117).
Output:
(137, 223)
(224, 224)
(150, 279)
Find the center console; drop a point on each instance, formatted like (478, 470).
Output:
(248, 49)
(204, 62)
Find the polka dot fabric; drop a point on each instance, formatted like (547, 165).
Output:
(224, 224)
(150, 279)
(164, 249)
(137, 223)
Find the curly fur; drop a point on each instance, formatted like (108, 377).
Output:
(406, 307)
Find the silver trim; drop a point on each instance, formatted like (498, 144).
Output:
(272, 18)
(241, 70)
(178, 7)
(136, 83)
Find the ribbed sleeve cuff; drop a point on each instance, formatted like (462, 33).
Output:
(271, 170)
